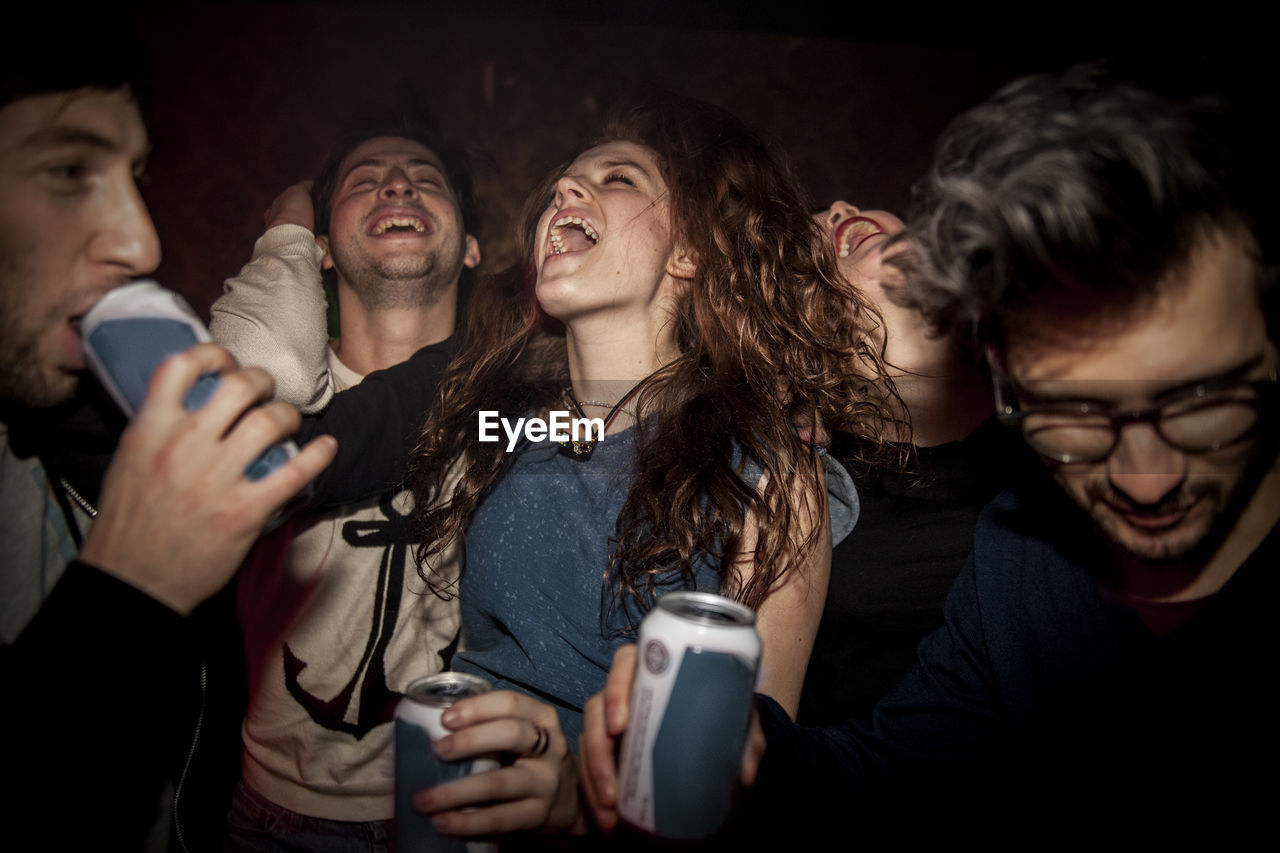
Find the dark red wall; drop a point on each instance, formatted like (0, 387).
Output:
(247, 97)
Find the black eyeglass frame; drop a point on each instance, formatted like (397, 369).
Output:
(1010, 411)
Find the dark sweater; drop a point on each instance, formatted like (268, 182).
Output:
(890, 577)
(1049, 697)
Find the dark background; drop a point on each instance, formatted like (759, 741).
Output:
(247, 97)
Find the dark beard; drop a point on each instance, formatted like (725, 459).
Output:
(23, 378)
(1181, 568)
(402, 283)
(1183, 499)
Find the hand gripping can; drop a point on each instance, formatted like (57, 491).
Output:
(135, 327)
(417, 767)
(690, 711)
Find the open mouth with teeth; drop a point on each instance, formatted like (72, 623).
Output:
(572, 234)
(853, 232)
(402, 224)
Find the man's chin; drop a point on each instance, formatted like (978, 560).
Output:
(39, 389)
(61, 390)
(1156, 543)
(405, 268)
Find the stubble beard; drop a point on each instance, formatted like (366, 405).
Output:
(25, 378)
(1203, 507)
(420, 281)
(1212, 507)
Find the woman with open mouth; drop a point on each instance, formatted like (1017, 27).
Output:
(915, 531)
(675, 287)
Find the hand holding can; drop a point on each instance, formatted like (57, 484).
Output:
(131, 330)
(690, 714)
(176, 514)
(418, 726)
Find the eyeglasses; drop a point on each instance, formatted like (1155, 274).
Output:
(1198, 418)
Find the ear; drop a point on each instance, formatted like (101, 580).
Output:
(682, 264)
(326, 262)
(471, 258)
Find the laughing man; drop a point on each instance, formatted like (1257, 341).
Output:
(337, 622)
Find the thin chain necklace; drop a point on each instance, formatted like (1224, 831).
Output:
(604, 405)
(582, 450)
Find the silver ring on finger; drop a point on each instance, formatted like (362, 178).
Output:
(541, 743)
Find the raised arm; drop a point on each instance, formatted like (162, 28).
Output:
(273, 315)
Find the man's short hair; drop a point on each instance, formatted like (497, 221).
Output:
(457, 169)
(103, 52)
(1073, 192)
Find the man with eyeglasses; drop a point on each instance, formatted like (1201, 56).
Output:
(1108, 653)
(1108, 645)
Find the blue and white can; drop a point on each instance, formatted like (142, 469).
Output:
(417, 727)
(691, 702)
(131, 330)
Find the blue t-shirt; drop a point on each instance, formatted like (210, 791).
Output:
(536, 555)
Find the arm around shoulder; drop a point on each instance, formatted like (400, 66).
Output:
(377, 424)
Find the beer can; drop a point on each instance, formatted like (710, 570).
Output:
(691, 702)
(133, 328)
(417, 726)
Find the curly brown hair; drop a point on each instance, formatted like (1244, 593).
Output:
(770, 337)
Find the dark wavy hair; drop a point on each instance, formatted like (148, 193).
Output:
(769, 334)
(1074, 194)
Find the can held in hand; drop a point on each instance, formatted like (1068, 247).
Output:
(417, 727)
(133, 328)
(690, 711)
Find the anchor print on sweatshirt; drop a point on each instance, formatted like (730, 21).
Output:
(376, 701)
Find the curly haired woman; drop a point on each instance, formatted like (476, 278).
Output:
(676, 287)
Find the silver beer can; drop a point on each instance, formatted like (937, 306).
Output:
(691, 702)
(417, 727)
